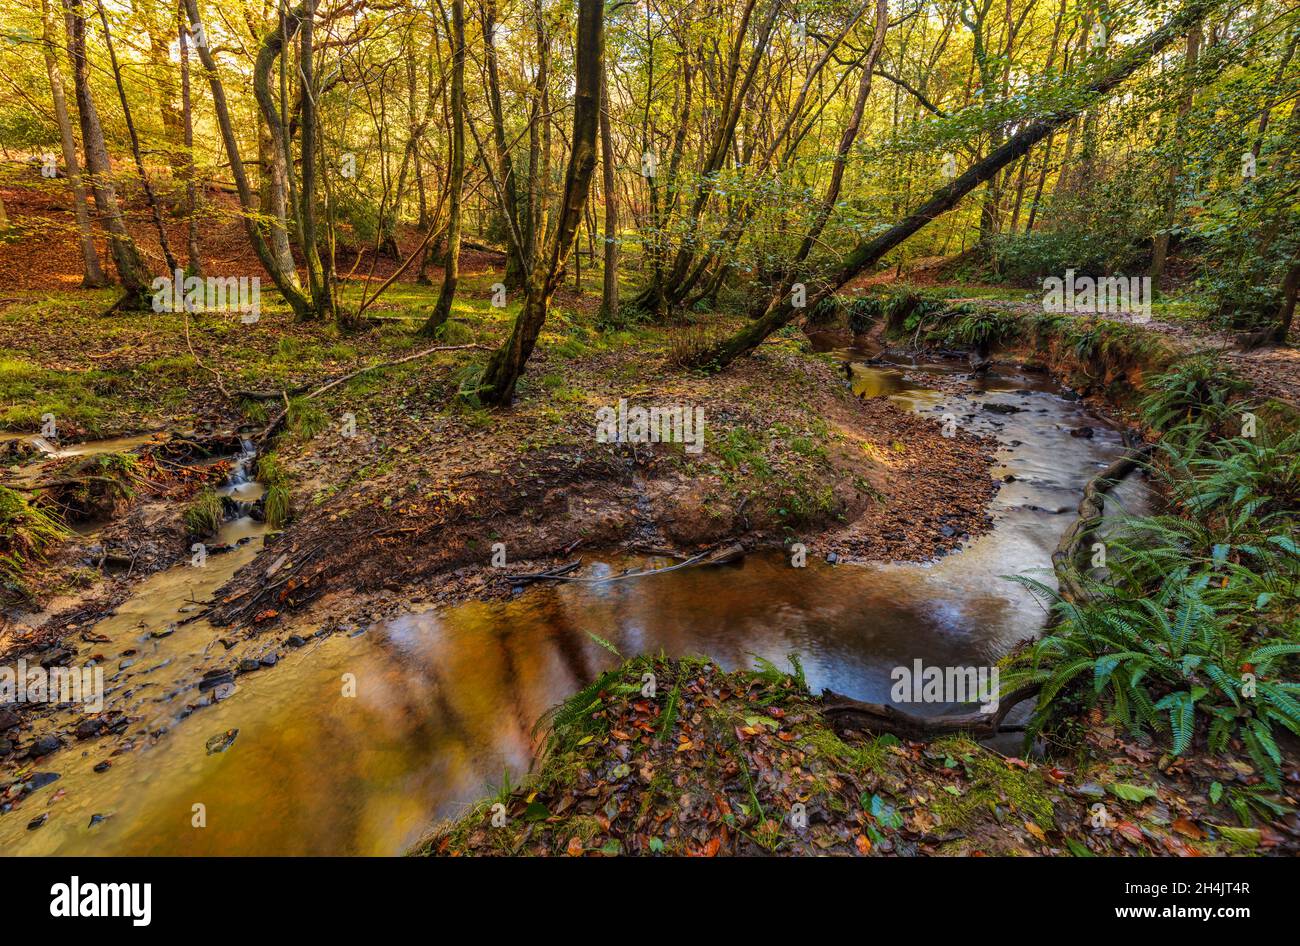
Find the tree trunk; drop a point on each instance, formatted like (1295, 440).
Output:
(676, 285)
(270, 50)
(515, 268)
(131, 270)
(849, 135)
(92, 273)
(150, 197)
(609, 291)
(1160, 248)
(194, 257)
(286, 280)
(451, 264)
(944, 199)
(507, 363)
(1290, 288)
(318, 277)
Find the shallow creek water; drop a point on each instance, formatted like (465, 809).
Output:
(445, 702)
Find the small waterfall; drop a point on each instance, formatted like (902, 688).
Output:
(240, 493)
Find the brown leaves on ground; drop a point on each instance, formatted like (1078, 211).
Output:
(722, 764)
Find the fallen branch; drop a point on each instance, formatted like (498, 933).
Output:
(714, 557)
(279, 418)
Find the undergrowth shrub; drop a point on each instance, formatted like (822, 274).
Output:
(1192, 629)
(27, 534)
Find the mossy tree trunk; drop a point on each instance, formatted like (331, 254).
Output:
(497, 386)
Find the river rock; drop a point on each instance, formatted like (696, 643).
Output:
(215, 678)
(248, 665)
(57, 657)
(1083, 432)
(40, 780)
(89, 728)
(8, 719)
(46, 744)
(221, 741)
(1002, 408)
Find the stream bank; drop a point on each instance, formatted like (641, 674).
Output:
(327, 732)
(407, 682)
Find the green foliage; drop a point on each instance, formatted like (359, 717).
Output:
(864, 312)
(1101, 245)
(1194, 626)
(769, 672)
(305, 418)
(27, 534)
(1195, 391)
(277, 506)
(965, 325)
(204, 514)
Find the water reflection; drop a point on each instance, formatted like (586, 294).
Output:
(445, 703)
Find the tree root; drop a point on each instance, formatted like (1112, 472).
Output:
(846, 714)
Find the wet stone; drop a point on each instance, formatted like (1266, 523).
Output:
(216, 678)
(45, 745)
(40, 780)
(221, 741)
(56, 657)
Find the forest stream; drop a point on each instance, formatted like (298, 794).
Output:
(286, 761)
